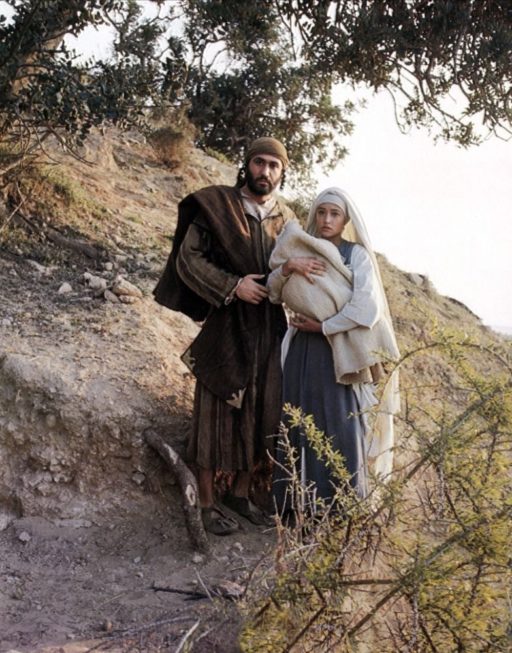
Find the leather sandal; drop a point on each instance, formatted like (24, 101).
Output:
(246, 508)
(217, 522)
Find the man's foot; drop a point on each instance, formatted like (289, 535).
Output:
(246, 508)
(217, 522)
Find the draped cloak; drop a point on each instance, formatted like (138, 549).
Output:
(235, 357)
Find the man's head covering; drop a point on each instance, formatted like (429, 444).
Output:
(268, 145)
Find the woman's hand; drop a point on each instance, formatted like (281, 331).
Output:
(303, 323)
(305, 265)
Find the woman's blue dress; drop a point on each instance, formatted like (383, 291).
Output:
(309, 383)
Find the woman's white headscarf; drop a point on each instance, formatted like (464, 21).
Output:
(382, 434)
(355, 229)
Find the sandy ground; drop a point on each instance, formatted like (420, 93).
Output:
(72, 585)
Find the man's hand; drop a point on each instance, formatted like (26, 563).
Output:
(304, 323)
(249, 290)
(305, 265)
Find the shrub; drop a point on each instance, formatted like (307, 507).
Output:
(424, 563)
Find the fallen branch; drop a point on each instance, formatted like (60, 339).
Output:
(226, 589)
(75, 244)
(186, 637)
(115, 636)
(188, 487)
(192, 595)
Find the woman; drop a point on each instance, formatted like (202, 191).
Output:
(335, 344)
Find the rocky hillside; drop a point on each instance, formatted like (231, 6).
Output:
(85, 370)
(88, 362)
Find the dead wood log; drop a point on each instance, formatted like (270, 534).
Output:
(75, 244)
(225, 589)
(192, 595)
(188, 487)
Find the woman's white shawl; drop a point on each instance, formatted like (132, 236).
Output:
(357, 348)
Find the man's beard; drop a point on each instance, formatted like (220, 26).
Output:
(263, 189)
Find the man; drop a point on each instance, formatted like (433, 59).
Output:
(216, 272)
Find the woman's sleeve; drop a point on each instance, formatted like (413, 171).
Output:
(363, 309)
(203, 277)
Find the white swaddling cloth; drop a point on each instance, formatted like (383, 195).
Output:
(353, 350)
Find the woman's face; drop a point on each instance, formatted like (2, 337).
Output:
(330, 220)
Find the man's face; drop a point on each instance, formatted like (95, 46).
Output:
(264, 173)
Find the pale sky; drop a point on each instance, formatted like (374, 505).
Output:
(435, 209)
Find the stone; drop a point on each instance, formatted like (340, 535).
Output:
(65, 289)
(41, 269)
(110, 297)
(51, 421)
(417, 279)
(123, 287)
(5, 520)
(128, 299)
(108, 266)
(94, 282)
(139, 478)
(24, 537)
(230, 590)
(44, 489)
(198, 559)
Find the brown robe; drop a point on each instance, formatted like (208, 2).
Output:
(235, 357)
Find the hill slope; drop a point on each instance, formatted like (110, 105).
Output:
(89, 517)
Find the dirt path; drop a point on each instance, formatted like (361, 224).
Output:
(69, 581)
